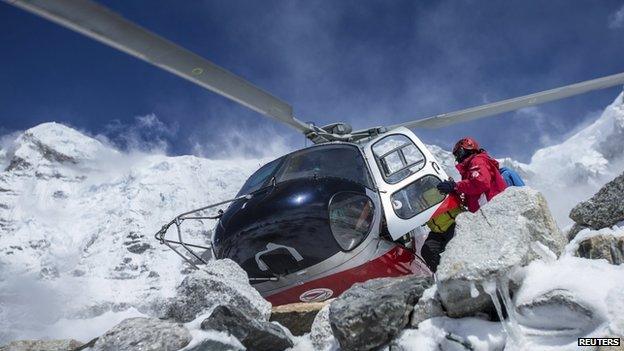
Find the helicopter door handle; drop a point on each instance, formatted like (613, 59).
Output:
(272, 247)
(436, 167)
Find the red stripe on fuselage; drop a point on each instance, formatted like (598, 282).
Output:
(396, 262)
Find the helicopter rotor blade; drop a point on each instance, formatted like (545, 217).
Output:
(499, 107)
(98, 22)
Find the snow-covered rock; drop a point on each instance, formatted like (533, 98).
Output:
(370, 314)
(560, 301)
(428, 306)
(321, 334)
(448, 334)
(488, 244)
(147, 334)
(254, 334)
(605, 208)
(220, 282)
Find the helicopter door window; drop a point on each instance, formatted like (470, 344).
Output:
(398, 157)
(416, 197)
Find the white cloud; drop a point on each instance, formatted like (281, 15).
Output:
(616, 20)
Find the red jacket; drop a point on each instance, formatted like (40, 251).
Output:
(481, 180)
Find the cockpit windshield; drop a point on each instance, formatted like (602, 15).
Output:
(338, 161)
(260, 178)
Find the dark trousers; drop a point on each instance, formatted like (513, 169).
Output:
(435, 245)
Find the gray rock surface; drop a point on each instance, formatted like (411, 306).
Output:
(253, 334)
(488, 244)
(370, 314)
(220, 282)
(428, 306)
(321, 334)
(145, 334)
(41, 345)
(297, 317)
(608, 247)
(604, 209)
(214, 345)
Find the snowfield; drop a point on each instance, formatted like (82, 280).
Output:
(77, 219)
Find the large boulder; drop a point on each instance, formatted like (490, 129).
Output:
(254, 334)
(145, 334)
(604, 209)
(370, 314)
(297, 317)
(220, 282)
(41, 345)
(488, 244)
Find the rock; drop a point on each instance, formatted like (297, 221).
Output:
(370, 314)
(321, 334)
(217, 342)
(576, 228)
(556, 310)
(608, 247)
(145, 334)
(41, 345)
(604, 209)
(138, 248)
(297, 317)
(220, 282)
(253, 334)
(488, 244)
(428, 306)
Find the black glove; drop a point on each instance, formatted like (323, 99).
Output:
(447, 186)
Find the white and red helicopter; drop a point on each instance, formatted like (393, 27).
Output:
(308, 225)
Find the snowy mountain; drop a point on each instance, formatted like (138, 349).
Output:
(77, 218)
(573, 170)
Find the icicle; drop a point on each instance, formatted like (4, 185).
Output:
(512, 320)
(474, 292)
(511, 327)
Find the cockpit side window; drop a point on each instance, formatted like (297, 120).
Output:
(260, 178)
(397, 157)
(337, 161)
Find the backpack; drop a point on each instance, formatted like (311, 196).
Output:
(512, 178)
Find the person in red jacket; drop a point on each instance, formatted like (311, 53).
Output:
(481, 179)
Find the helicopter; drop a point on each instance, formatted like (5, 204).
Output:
(310, 224)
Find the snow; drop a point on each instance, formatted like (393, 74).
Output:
(443, 333)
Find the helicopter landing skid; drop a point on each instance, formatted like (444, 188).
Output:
(174, 245)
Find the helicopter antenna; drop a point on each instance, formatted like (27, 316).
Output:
(499, 107)
(98, 22)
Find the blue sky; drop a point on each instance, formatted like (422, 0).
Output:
(364, 62)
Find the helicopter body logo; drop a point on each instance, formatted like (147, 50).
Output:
(316, 295)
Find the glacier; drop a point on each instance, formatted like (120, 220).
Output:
(77, 218)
